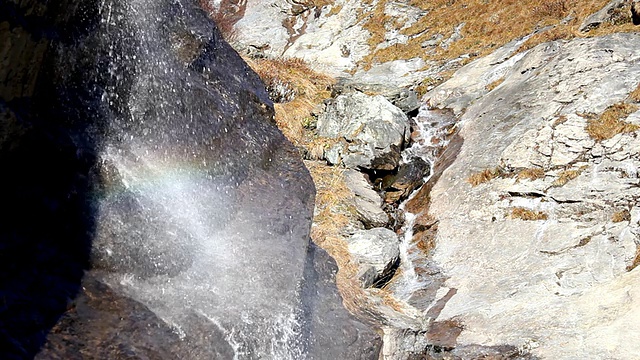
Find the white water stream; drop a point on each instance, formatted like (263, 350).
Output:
(429, 140)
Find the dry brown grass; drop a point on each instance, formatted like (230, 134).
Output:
(636, 259)
(509, 20)
(635, 94)
(485, 175)
(559, 120)
(530, 174)
(332, 200)
(611, 123)
(225, 16)
(307, 88)
(553, 34)
(332, 215)
(494, 84)
(620, 216)
(526, 214)
(567, 175)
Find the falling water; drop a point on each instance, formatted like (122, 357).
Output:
(433, 126)
(197, 220)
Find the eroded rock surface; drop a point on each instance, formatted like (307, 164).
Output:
(367, 202)
(561, 284)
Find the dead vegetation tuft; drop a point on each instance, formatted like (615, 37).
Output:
(635, 94)
(620, 216)
(567, 175)
(530, 174)
(559, 120)
(611, 122)
(553, 34)
(555, 9)
(636, 259)
(481, 33)
(226, 15)
(527, 214)
(484, 176)
(297, 90)
(494, 84)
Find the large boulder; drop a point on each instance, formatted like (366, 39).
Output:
(137, 146)
(374, 131)
(367, 202)
(376, 253)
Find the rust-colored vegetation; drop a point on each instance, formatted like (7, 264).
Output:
(530, 174)
(226, 15)
(567, 175)
(636, 259)
(296, 90)
(635, 94)
(611, 122)
(485, 175)
(488, 25)
(494, 84)
(620, 216)
(527, 214)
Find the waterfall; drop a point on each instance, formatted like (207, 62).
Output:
(433, 128)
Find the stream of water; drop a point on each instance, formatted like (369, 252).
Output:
(429, 139)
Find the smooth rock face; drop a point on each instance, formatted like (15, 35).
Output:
(374, 129)
(376, 253)
(558, 287)
(155, 166)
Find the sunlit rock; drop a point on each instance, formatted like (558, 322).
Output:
(374, 129)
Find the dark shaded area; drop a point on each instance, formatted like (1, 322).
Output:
(46, 161)
(635, 12)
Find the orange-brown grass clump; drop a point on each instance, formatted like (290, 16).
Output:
(559, 120)
(488, 25)
(567, 175)
(556, 33)
(494, 84)
(484, 176)
(301, 90)
(621, 216)
(530, 174)
(225, 16)
(526, 214)
(636, 260)
(635, 94)
(611, 123)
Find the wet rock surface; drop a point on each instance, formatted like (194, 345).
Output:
(329, 317)
(155, 167)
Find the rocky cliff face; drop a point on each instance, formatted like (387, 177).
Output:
(524, 241)
(544, 262)
(138, 146)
